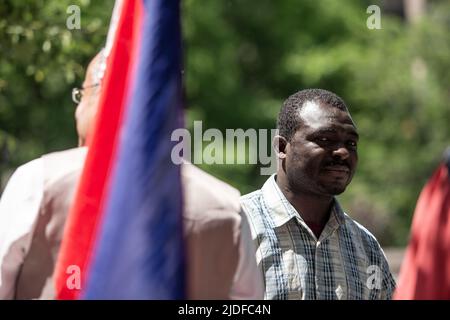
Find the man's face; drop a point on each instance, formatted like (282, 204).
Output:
(87, 108)
(322, 155)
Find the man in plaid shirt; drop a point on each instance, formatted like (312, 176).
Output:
(307, 247)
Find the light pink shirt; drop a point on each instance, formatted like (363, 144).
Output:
(19, 209)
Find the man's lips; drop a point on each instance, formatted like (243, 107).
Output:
(337, 169)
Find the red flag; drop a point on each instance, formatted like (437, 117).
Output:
(425, 272)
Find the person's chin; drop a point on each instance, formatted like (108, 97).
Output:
(337, 191)
(334, 188)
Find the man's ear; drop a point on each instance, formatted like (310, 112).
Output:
(280, 145)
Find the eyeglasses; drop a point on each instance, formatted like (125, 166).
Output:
(77, 93)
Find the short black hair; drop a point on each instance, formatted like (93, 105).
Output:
(288, 121)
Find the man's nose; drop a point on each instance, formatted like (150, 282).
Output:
(341, 152)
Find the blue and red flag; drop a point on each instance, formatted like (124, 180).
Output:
(124, 232)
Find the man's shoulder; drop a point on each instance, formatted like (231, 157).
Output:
(66, 164)
(29, 168)
(66, 156)
(72, 155)
(25, 179)
(205, 194)
(252, 201)
(368, 239)
(203, 179)
(252, 196)
(253, 205)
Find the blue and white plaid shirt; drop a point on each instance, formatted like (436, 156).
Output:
(346, 262)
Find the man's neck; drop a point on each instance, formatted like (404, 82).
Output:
(311, 207)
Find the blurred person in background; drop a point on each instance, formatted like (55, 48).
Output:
(36, 201)
(425, 272)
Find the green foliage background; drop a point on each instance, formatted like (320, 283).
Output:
(242, 59)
